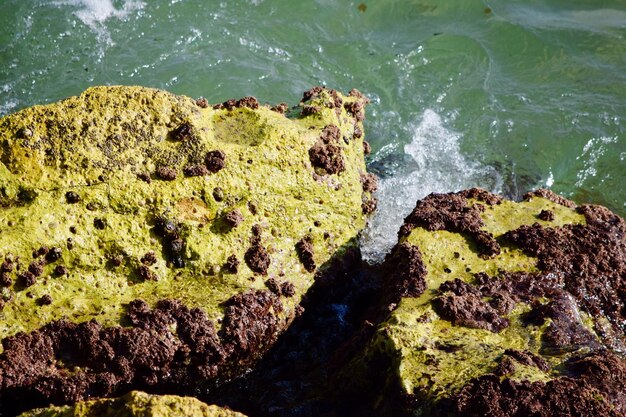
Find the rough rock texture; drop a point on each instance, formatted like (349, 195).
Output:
(139, 228)
(136, 404)
(462, 304)
(537, 327)
(453, 213)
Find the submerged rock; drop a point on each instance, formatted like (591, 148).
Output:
(500, 308)
(138, 230)
(136, 404)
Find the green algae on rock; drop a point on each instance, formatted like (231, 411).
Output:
(136, 404)
(139, 230)
(493, 302)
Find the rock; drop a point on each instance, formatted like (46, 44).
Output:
(136, 404)
(119, 173)
(500, 310)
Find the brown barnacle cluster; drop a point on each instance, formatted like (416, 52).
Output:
(304, 249)
(369, 205)
(165, 345)
(546, 215)
(257, 258)
(195, 170)
(248, 101)
(326, 153)
(451, 212)
(183, 132)
(149, 258)
(286, 288)
(44, 300)
(146, 274)
(42, 256)
(280, 108)
(333, 100)
(308, 110)
(7, 267)
(463, 304)
(166, 173)
(144, 176)
(231, 266)
(233, 218)
(60, 270)
(202, 103)
(367, 148)
(369, 182)
(214, 161)
(356, 108)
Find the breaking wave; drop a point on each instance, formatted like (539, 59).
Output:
(439, 166)
(95, 13)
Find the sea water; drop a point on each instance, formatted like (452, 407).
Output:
(508, 95)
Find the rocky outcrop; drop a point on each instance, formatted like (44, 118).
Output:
(151, 240)
(136, 404)
(500, 308)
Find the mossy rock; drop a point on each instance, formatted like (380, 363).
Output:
(136, 404)
(148, 238)
(500, 308)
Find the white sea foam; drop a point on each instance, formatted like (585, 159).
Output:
(593, 150)
(95, 13)
(594, 20)
(440, 167)
(7, 107)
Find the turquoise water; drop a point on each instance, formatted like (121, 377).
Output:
(507, 95)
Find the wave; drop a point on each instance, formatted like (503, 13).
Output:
(95, 13)
(439, 166)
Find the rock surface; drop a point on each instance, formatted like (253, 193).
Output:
(500, 309)
(136, 404)
(144, 235)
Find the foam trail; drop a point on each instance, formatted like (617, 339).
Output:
(440, 167)
(592, 152)
(7, 107)
(95, 13)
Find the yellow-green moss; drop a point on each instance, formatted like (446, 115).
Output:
(429, 356)
(136, 404)
(438, 357)
(95, 144)
(509, 215)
